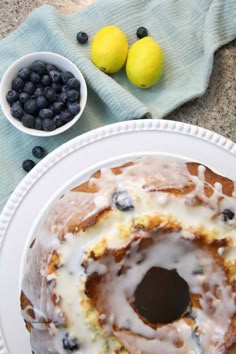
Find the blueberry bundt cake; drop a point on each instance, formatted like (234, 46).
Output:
(139, 259)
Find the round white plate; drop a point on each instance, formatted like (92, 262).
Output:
(69, 165)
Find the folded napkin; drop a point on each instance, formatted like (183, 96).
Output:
(189, 31)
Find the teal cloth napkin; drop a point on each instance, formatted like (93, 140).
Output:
(189, 31)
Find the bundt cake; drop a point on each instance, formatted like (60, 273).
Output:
(139, 259)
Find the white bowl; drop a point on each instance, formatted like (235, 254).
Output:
(49, 57)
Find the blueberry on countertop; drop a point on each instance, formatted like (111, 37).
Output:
(74, 108)
(28, 121)
(70, 344)
(73, 83)
(23, 97)
(27, 165)
(39, 67)
(29, 87)
(38, 151)
(18, 84)
(72, 95)
(48, 125)
(82, 37)
(17, 110)
(12, 96)
(31, 107)
(142, 32)
(228, 214)
(66, 76)
(122, 201)
(24, 74)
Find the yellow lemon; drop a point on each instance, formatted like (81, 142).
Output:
(109, 49)
(145, 61)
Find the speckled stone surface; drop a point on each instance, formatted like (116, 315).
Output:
(215, 110)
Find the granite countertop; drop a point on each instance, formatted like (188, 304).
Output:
(215, 110)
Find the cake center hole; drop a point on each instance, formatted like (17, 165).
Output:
(162, 296)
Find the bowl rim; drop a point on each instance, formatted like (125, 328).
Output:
(32, 131)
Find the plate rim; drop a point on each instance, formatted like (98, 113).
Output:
(94, 135)
(89, 137)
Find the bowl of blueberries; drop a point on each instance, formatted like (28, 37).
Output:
(43, 94)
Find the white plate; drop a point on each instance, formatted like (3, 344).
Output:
(69, 165)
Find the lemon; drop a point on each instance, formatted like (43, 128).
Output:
(109, 49)
(144, 65)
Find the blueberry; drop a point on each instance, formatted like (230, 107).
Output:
(39, 92)
(29, 88)
(16, 110)
(66, 116)
(72, 95)
(35, 78)
(39, 86)
(65, 88)
(39, 67)
(12, 96)
(74, 108)
(18, 84)
(28, 121)
(56, 87)
(51, 107)
(49, 125)
(58, 121)
(46, 80)
(51, 67)
(73, 84)
(190, 313)
(122, 201)
(70, 344)
(41, 102)
(27, 165)
(58, 107)
(50, 94)
(62, 97)
(38, 151)
(55, 76)
(142, 32)
(46, 113)
(23, 97)
(228, 215)
(31, 107)
(82, 37)
(24, 73)
(65, 76)
(38, 123)
(198, 271)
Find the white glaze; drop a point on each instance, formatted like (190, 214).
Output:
(143, 181)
